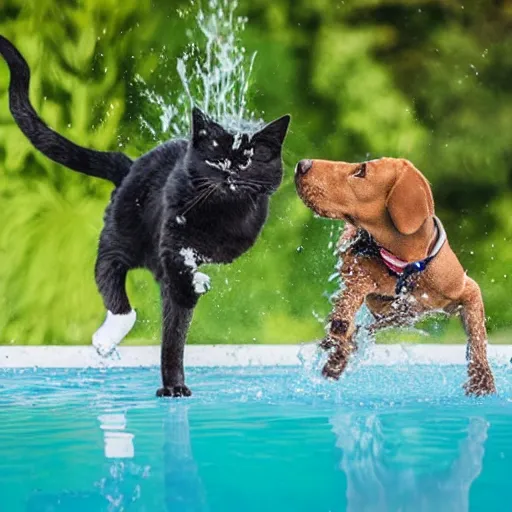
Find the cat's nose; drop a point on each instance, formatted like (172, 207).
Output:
(303, 167)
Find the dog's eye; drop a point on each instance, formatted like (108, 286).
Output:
(361, 171)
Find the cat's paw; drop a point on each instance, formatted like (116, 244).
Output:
(112, 332)
(201, 283)
(174, 391)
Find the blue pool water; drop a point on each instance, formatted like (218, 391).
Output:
(400, 438)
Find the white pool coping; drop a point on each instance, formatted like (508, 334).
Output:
(234, 355)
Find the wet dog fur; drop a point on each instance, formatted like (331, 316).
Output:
(388, 203)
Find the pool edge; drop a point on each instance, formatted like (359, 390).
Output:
(234, 355)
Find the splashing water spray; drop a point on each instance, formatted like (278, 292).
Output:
(363, 318)
(214, 72)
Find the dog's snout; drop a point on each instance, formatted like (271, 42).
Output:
(303, 167)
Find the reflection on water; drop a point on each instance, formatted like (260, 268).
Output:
(120, 486)
(255, 440)
(376, 482)
(184, 489)
(119, 450)
(123, 481)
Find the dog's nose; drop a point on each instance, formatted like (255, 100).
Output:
(303, 167)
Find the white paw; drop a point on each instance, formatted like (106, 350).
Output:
(201, 282)
(112, 332)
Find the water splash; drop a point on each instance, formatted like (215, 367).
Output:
(364, 318)
(214, 71)
(334, 236)
(363, 338)
(365, 335)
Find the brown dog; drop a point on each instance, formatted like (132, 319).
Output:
(395, 257)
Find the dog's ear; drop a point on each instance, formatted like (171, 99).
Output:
(410, 201)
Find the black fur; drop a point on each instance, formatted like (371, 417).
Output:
(206, 197)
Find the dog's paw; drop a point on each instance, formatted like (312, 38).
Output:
(480, 380)
(112, 332)
(201, 283)
(174, 391)
(472, 388)
(331, 372)
(338, 333)
(480, 385)
(333, 340)
(328, 342)
(334, 368)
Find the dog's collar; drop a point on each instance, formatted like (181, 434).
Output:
(405, 269)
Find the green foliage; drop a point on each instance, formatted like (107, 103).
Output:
(423, 79)
(52, 217)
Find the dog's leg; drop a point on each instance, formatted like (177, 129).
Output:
(341, 334)
(480, 377)
(110, 275)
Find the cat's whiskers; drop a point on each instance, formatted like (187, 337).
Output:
(200, 183)
(256, 181)
(253, 201)
(254, 186)
(203, 192)
(212, 190)
(201, 198)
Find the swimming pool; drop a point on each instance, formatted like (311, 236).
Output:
(396, 433)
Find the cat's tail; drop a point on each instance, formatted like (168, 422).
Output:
(107, 165)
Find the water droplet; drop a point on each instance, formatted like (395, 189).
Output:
(219, 82)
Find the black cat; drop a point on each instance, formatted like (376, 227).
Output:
(182, 204)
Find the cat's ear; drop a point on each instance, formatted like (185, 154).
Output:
(275, 131)
(204, 127)
(200, 122)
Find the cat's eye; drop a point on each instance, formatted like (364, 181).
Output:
(214, 143)
(263, 153)
(361, 171)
